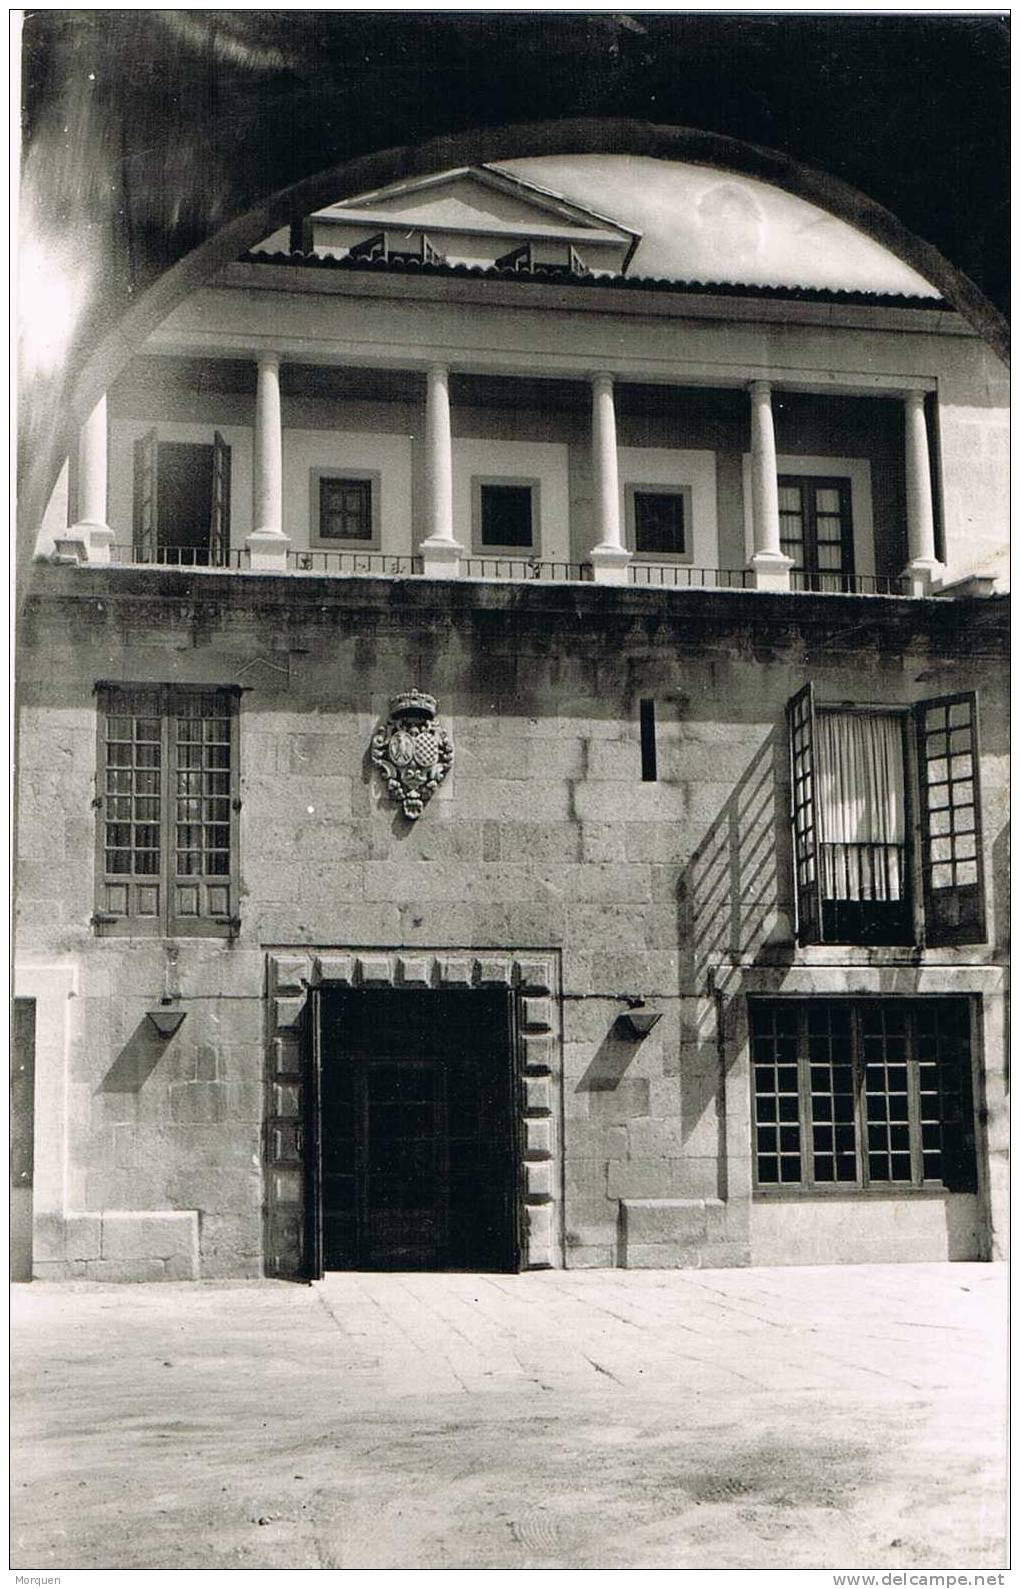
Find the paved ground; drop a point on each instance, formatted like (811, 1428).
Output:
(839, 1417)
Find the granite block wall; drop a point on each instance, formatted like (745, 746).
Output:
(544, 837)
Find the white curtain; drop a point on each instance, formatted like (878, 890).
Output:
(861, 808)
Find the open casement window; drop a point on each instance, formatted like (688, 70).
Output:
(850, 811)
(950, 804)
(867, 1094)
(166, 798)
(182, 502)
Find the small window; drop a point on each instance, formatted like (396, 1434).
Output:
(862, 1093)
(504, 515)
(167, 817)
(659, 523)
(345, 510)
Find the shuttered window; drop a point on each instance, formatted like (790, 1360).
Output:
(853, 788)
(166, 801)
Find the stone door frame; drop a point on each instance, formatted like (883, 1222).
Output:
(533, 977)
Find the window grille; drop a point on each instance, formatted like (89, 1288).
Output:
(862, 1093)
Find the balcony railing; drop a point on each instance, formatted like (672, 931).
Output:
(179, 557)
(313, 562)
(520, 570)
(681, 576)
(850, 584)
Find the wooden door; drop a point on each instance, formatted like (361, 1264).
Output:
(417, 1131)
(219, 518)
(146, 496)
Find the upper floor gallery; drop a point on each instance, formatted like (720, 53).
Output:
(470, 376)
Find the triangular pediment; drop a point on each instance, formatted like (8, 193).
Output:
(482, 198)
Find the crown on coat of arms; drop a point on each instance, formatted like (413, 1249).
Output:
(414, 701)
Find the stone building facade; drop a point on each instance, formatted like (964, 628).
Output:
(664, 582)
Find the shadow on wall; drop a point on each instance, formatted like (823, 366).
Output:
(137, 1059)
(733, 895)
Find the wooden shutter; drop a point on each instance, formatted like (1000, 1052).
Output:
(948, 764)
(800, 715)
(131, 809)
(219, 516)
(201, 821)
(146, 496)
(167, 829)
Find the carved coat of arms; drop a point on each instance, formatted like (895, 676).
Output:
(412, 751)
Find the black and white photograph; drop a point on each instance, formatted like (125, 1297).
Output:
(510, 791)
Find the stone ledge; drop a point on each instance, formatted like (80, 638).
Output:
(674, 1223)
(135, 1238)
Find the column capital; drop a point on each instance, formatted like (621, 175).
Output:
(760, 389)
(439, 370)
(914, 398)
(602, 378)
(267, 361)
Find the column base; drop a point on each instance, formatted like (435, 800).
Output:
(610, 565)
(85, 542)
(770, 571)
(922, 574)
(441, 558)
(267, 551)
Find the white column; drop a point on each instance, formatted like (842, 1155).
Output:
(267, 545)
(609, 556)
(90, 537)
(923, 566)
(769, 566)
(440, 552)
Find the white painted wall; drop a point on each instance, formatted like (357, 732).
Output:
(665, 466)
(387, 455)
(546, 462)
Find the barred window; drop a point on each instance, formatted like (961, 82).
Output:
(166, 800)
(859, 1093)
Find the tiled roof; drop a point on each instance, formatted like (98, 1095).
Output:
(732, 289)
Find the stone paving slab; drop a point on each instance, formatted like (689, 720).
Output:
(844, 1417)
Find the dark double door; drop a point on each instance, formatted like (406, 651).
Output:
(416, 1151)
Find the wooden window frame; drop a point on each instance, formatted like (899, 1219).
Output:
(864, 1187)
(479, 547)
(165, 921)
(637, 488)
(809, 484)
(802, 711)
(371, 543)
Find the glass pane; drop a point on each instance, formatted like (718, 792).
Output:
(827, 500)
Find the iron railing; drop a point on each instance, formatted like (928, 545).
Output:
(315, 562)
(681, 576)
(522, 568)
(673, 576)
(836, 584)
(164, 556)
